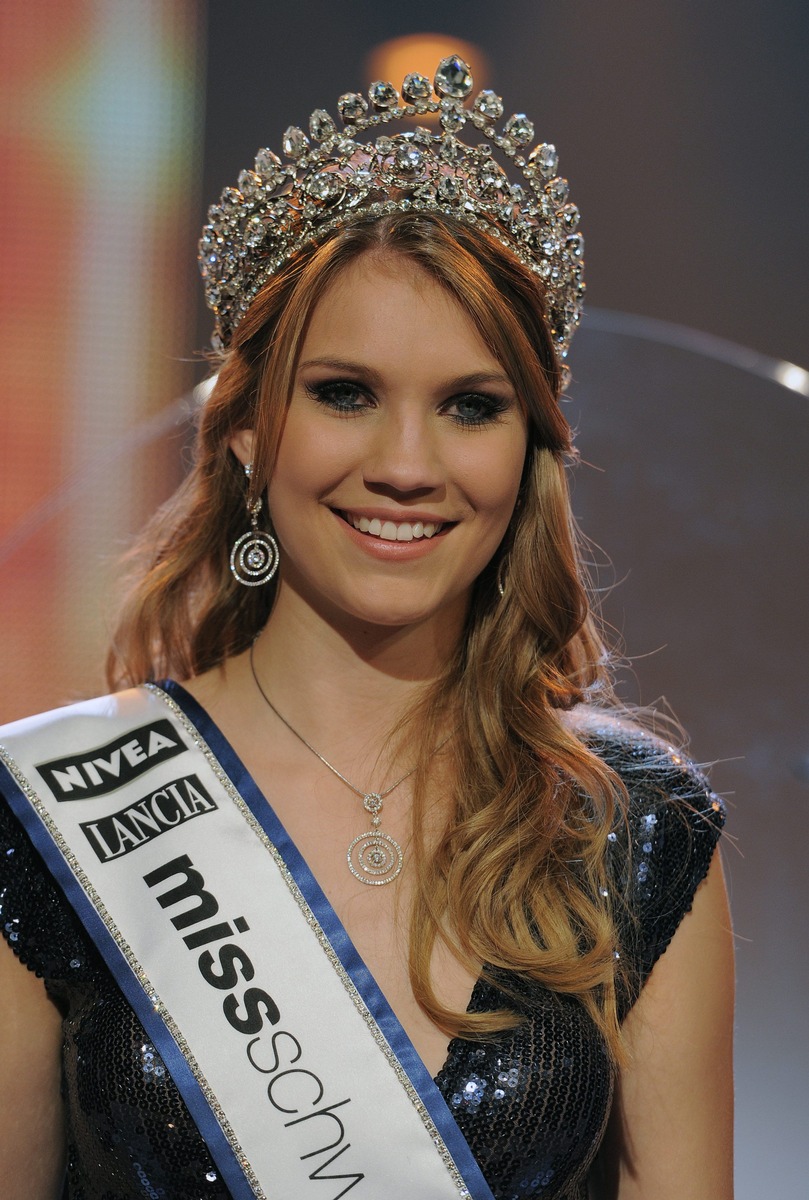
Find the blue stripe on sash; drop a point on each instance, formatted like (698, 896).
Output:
(362, 978)
(151, 1021)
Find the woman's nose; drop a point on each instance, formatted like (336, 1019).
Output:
(404, 454)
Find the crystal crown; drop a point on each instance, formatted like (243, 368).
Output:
(329, 177)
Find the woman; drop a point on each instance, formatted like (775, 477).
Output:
(407, 948)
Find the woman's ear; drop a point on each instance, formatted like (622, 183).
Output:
(242, 446)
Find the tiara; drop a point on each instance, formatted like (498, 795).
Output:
(330, 178)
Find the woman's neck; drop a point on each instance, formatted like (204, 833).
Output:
(344, 683)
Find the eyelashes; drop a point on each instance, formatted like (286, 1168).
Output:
(475, 409)
(470, 410)
(340, 395)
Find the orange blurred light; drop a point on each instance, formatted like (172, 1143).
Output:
(422, 52)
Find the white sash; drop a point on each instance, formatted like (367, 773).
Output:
(295, 1069)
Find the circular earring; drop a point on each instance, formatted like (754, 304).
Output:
(254, 557)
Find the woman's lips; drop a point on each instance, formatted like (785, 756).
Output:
(393, 531)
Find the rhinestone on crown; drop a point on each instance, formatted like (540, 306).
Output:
(329, 177)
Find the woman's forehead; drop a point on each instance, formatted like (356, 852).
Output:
(384, 305)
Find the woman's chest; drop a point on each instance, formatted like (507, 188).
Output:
(324, 820)
(378, 922)
(531, 1103)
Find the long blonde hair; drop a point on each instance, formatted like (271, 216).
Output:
(517, 881)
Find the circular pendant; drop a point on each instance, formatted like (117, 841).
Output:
(374, 858)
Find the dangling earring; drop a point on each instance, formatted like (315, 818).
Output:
(254, 557)
(500, 585)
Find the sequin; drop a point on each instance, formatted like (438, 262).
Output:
(532, 1104)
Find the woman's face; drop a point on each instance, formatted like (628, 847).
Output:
(402, 453)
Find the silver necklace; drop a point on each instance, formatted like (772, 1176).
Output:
(374, 857)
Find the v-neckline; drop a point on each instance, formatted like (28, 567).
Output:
(222, 748)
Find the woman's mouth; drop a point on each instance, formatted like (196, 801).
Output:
(394, 531)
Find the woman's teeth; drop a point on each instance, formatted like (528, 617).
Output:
(390, 531)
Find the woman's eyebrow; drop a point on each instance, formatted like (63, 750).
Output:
(343, 364)
(456, 383)
(478, 379)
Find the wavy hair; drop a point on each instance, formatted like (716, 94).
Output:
(517, 880)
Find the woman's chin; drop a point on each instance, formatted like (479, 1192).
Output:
(405, 616)
(390, 607)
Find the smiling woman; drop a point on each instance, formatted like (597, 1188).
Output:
(415, 826)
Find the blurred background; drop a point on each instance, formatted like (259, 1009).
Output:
(685, 132)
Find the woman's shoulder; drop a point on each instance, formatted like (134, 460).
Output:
(664, 834)
(35, 918)
(39, 751)
(645, 761)
(662, 783)
(114, 705)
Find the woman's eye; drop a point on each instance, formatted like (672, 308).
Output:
(340, 395)
(475, 409)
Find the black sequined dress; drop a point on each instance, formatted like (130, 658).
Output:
(532, 1106)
